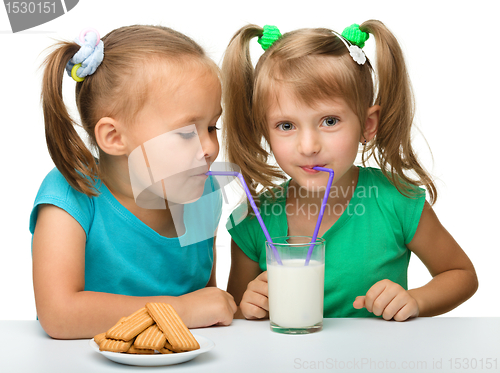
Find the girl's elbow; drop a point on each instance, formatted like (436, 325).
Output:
(469, 279)
(56, 324)
(472, 282)
(475, 283)
(57, 333)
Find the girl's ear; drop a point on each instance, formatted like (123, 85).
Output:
(109, 136)
(371, 123)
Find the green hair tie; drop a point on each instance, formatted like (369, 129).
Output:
(355, 35)
(270, 35)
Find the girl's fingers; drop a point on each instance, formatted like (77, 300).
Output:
(251, 311)
(259, 286)
(232, 304)
(256, 299)
(359, 302)
(395, 306)
(389, 300)
(382, 301)
(373, 293)
(254, 305)
(409, 310)
(262, 277)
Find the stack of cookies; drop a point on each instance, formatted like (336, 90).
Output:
(154, 328)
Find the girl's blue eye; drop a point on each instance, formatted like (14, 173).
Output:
(285, 126)
(330, 121)
(187, 135)
(213, 128)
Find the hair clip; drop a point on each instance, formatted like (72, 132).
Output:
(354, 39)
(88, 58)
(269, 36)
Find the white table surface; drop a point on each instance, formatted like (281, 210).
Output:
(438, 344)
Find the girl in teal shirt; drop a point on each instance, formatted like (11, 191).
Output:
(311, 101)
(101, 250)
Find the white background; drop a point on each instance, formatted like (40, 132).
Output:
(453, 58)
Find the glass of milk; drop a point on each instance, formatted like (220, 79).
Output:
(296, 290)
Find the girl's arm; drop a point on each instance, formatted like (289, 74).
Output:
(454, 278)
(248, 285)
(66, 311)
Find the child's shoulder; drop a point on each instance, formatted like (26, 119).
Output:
(56, 185)
(55, 178)
(380, 194)
(55, 190)
(376, 176)
(373, 181)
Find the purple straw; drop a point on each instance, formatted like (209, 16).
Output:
(321, 211)
(254, 207)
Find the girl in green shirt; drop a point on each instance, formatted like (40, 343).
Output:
(312, 101)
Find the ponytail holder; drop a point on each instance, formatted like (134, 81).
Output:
(354, 39)
(355, 36)
(269, 36)
(88, 58)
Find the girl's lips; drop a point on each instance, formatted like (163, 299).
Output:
(201, 175)
(310, 170)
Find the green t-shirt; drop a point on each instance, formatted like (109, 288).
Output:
(366, 244)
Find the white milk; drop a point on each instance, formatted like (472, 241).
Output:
(296, 293)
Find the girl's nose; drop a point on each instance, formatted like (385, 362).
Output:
(309, 142)
(209, 147)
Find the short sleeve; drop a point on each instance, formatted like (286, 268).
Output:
(245, 231)
(410, 212)
(56, 191)
(403, 210)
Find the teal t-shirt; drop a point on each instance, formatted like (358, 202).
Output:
(366, 244)
(125, 256)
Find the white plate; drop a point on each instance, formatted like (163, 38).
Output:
(156, 359)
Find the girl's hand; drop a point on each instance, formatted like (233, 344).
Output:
(255, 304)
(390, 300)
(206, 307)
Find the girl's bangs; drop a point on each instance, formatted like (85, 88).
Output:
(311, 79)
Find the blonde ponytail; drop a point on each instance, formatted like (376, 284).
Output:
(66, 148)
(242, 141)
(391, 148)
